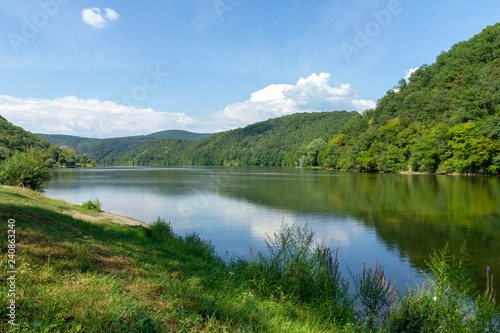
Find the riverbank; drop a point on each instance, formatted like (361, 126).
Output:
(82, 271)
(71, 270)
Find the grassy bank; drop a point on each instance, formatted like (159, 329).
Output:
(80, 276)
(77, 272)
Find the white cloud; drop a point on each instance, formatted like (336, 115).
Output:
(410, 72)
(94, 118)
(87, 117)
(314, 93)
(95, 18)
(111, 14)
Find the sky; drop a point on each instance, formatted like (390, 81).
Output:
(113, 68)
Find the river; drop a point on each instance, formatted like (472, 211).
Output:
(394, 218)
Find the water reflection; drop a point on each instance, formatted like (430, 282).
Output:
(399, 219)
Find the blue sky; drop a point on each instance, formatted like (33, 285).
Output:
(116, 68)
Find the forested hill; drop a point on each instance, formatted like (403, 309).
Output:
(278, 141)
(446, 119)
(100, 148)
(14, 138)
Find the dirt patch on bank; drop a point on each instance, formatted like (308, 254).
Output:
(123, 220)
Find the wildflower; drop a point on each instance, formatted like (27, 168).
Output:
(435, 298)
(493, 300)
(488, 269)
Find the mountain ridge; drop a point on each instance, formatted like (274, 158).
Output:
(98, 149)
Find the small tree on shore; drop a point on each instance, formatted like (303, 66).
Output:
(29, 167)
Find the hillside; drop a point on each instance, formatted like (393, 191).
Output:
(277, 141)
(446, 119)
(14, 138)
(100, 148)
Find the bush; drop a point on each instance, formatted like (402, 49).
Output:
(93, 205)
(445, 303)
(160, 230)
(296, 270)
(28, 168)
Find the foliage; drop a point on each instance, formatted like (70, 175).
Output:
(374, 295)
(94, 205)
(151, 279)
(275, 142)
(99, 149)
(444, 302)
(295, 270)
(14, 138)
(445, 119)
(311, 152)
(28, 168)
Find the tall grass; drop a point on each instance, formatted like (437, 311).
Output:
(78, 276)
(298, 271)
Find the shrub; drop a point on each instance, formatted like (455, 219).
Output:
(445, 303)
(374, 294)
(28, 167)
(94, 205)
(296, 269)
(159, 230)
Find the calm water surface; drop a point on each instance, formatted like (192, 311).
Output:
(396, 219)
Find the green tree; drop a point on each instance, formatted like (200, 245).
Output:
(29, 167)
(67, 157)
(312, 150)
(469, 153)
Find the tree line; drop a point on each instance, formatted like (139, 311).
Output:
(276, 142)
(446, 119)
(25, 158)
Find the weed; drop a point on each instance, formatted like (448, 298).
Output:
(94, 205)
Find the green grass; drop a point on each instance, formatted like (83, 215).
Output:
(80, 276)
(94, 205)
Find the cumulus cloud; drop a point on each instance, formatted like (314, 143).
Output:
(94, 118)
(314, 93)
(410, 72)
(87, 117)
(97, 19)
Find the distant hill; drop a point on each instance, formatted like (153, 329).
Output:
(100, 148)
(445, 120)
(14, 138)
(277, 141)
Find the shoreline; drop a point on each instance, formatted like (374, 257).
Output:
(115, 218)
(92, 216)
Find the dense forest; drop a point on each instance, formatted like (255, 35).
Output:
(14, 139)
(100, 148)
(277, 141)
(446, 119)
(25, 158)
